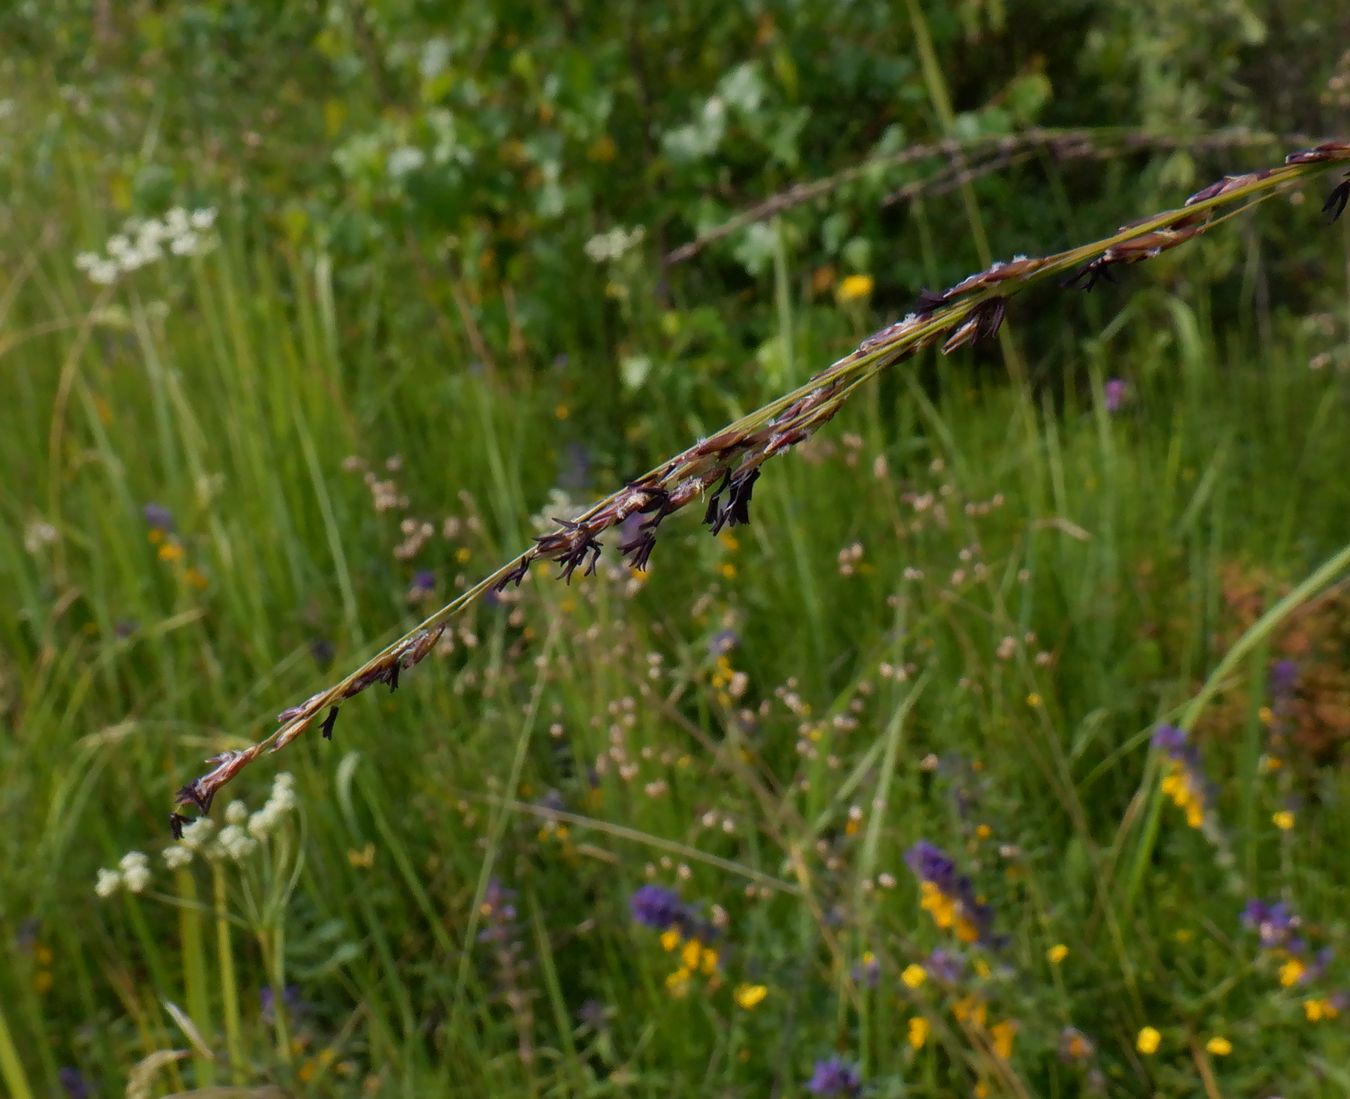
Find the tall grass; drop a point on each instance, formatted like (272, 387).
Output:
(940, 626)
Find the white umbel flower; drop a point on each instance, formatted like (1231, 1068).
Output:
(141, 243)
(235, 844)
(177, 856)
(109, 882)
(196, 834)
(135, 867)
(281, 801)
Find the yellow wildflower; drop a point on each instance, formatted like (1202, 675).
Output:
(1148, 1041)
(1284, 820)
(749, 996)
(970, 1009)
(690, 955)
(670, 939)
(854, 288)
(1003, 1034)
(170, 551)
(677, 983)
(1317, 1010)
(1034, 700)
(709, 965)
(1219, 1047)
(937, 904)
(1057, 953)
(913, 976)
(1074, 1045)
(983, 831)
(1292, 972)
(918, 1031)
(1179, 785)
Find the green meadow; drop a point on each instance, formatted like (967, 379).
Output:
(1003, 752)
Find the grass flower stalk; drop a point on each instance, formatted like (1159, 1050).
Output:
(724, 468)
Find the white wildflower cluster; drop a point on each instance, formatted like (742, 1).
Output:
(280, 802)
(142, 242)
(38, 535)
(196, 837)
(135, 867)
(132, 874)
(234, 842)
(607, 247)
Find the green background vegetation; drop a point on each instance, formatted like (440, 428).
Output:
(401, 286)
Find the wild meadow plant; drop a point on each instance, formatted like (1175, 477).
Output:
(971, 986)
(725, 467)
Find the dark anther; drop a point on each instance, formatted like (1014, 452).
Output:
(1091, 273)
(736, 512)
(327, 727)
(639, 550)
(193, 793)
(928, 301)
(572, 559)
(738, 500)
(391, 676)
(176, 822)
(992, 313)
(714, 501)
(515, 576)
(1336, 202)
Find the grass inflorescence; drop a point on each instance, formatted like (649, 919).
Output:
(725, 466)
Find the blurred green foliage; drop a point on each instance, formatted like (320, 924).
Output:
(443, 231)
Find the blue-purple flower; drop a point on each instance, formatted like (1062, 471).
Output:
(1115, 394)
(74, 1083)
(659, 908)
(1283, 680)
(1275, 924)
(157, 517)
(945, 967)
(834, 1076)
